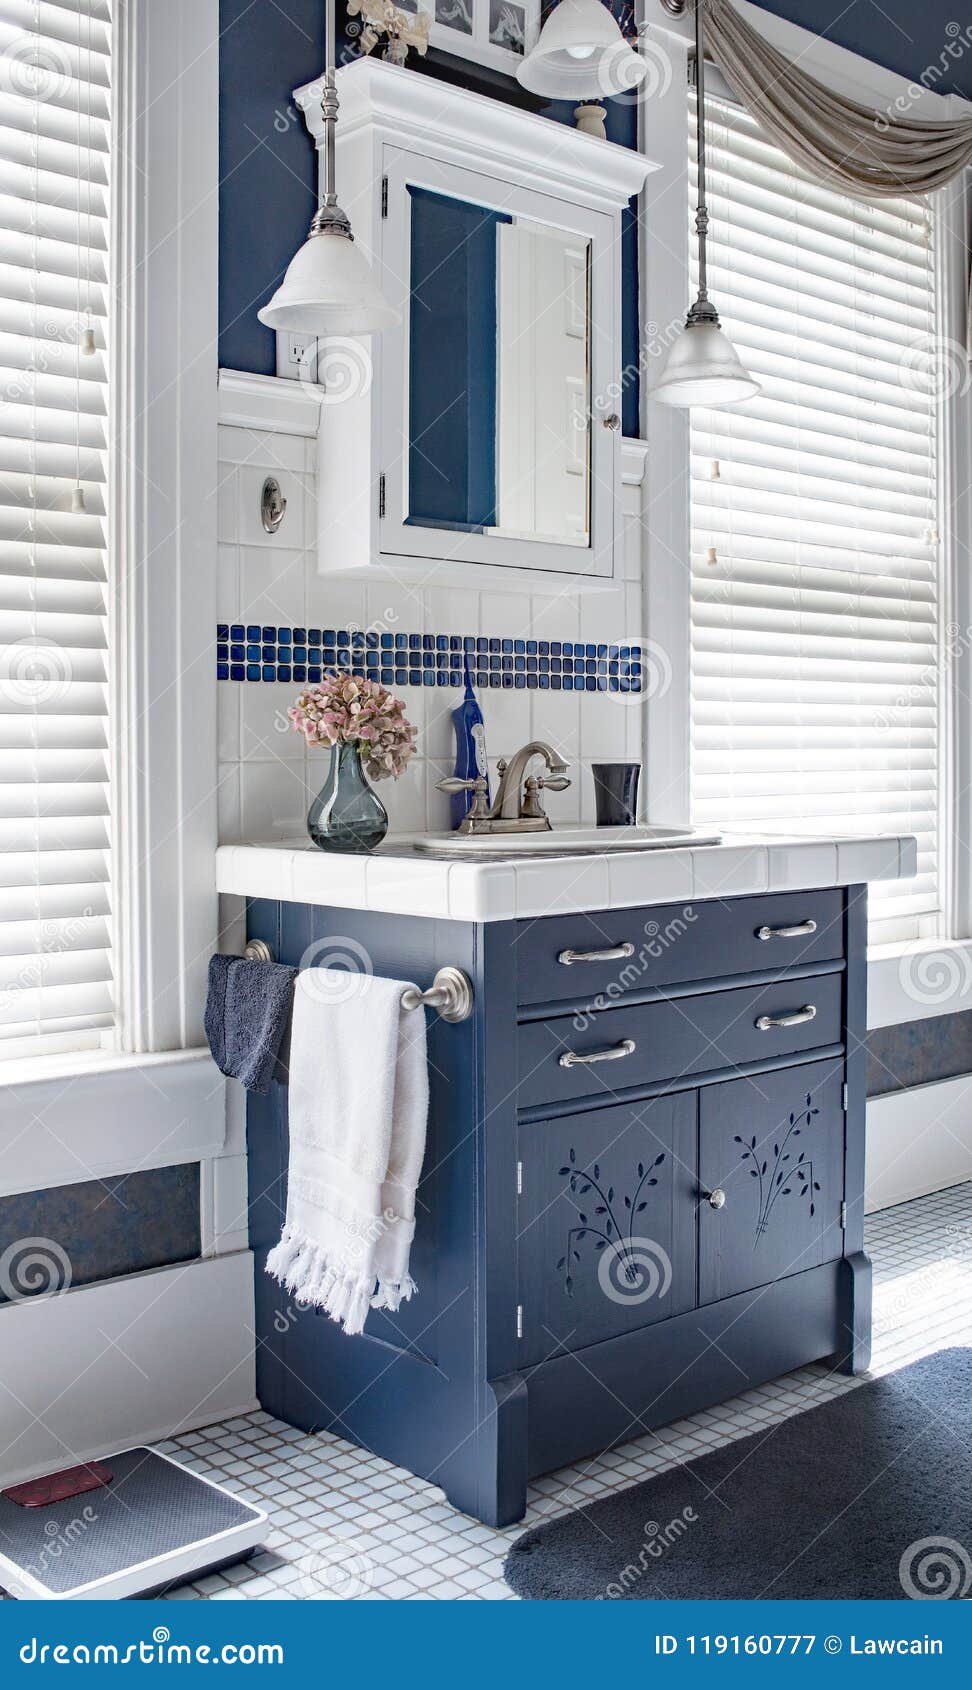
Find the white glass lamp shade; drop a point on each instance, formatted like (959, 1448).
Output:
(329, 289)
(581, 52)
(703, 368)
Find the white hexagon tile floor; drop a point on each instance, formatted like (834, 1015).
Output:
(347, 1524)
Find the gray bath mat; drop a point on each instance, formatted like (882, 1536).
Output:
(868, 1496)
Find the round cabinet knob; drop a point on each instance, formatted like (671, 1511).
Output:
(612, 422)
(716, 1199)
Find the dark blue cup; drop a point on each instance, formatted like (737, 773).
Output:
(616, 793)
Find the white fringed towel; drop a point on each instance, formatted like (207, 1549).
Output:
(359, 1099)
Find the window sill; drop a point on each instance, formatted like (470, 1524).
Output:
(80, 1064)
(917, 980)
(70, 1118)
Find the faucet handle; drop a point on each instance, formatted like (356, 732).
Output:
(454, 783)
(531, 808)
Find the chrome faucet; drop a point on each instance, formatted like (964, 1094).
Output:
(517, 800)
(517, 807)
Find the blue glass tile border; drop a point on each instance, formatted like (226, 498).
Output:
(301, 656)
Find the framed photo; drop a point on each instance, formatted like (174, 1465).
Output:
(489, 32)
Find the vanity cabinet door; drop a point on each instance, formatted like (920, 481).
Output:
(771, 1155)
(606, 1223)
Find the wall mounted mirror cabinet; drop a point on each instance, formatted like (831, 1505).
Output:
(498, 375)
(483, 431)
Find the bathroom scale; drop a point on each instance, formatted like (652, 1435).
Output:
(128, 1525)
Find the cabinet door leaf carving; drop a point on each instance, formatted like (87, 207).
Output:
(773, 1144)
(636, 1265)
(776, 1179)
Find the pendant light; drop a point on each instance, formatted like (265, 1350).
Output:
(329, 288)
(580, 52)
(702, 366)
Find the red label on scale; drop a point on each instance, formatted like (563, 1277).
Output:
(60, 1487)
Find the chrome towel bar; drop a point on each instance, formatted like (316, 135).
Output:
(450, 994)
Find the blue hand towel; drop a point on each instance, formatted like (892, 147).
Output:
(214, 1019)
(247, 1016)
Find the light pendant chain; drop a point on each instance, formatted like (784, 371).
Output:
(85, 331)
(32, 489)
(88, 345)
(77, 494)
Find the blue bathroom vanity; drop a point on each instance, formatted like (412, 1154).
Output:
(602, 1245)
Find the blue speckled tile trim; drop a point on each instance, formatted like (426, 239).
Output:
(251, 652)
(100, 1229)
(919, 1053)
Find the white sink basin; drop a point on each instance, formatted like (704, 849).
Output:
(561, 841)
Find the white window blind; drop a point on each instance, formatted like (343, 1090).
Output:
(55, 974)
(815, 592)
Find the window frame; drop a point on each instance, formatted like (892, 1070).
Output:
(163, 316)
(163, 401)
(57, 884)
(162, 528)
(664, 257)
(952, 221)
(732, 133)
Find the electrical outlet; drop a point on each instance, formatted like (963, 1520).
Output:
(296, 356)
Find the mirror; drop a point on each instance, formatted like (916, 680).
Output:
(499, 438)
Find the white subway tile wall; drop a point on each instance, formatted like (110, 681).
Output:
(268, 777)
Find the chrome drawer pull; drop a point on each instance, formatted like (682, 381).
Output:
(766, 1023)
(716, 1199)
(570, 1059)
(802, 930)
(617, 953)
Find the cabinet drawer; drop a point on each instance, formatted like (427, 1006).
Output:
(577, 958)
(638, 1044)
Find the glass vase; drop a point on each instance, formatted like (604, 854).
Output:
(347, 815)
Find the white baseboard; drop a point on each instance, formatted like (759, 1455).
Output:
(918, 1141)
(130, 1361)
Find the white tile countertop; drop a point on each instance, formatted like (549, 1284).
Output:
(398, 881)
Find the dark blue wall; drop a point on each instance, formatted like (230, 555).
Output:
(267, 188)
(267, 168)
(268, 185)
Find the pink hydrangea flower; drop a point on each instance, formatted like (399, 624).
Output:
(342, 710)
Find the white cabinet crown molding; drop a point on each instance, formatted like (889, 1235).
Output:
(439, 119)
